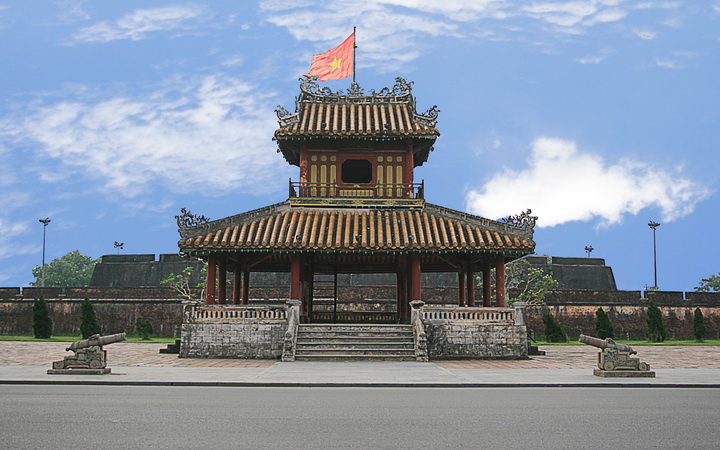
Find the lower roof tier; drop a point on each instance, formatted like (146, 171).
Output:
(283, 227)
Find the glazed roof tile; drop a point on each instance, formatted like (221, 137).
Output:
(284, 228)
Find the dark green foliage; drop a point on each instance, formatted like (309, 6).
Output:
(73, 269)
(143, 328)
(699, 325)
(42, 323)
(710, 284)
(88, 322)
(656, 326)
(603, 327)
(554, 331)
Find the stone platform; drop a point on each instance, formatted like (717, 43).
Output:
(624, 373)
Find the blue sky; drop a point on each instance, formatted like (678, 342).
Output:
(600, 115)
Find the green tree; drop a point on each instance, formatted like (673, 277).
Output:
(554, 331)
(699, 325)
(656, 326)
(711, 284)
(42, 323)
(603, 326)
(181, 283)
(88, 322)
(143, 328)
(532, 282)
(74, 269)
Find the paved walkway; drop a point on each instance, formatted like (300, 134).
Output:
(27, 362)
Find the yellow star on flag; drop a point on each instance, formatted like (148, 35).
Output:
(336, 64)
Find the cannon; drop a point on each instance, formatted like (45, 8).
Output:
(89, 356)
(615, 356)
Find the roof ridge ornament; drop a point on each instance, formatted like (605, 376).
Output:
(189, 220)
(522, 220)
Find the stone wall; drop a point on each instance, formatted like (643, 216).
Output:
(627, 310)
(458, 340)
(248, 339)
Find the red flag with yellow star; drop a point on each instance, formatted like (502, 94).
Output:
(336, 63)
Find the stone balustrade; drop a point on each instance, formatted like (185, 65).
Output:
(222, 313)
(468, 314)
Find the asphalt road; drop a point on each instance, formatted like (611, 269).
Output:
(222, 417)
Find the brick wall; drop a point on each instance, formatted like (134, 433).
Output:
(457, 340)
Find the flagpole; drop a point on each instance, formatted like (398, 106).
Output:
(354, 47)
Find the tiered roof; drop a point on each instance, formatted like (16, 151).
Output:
(380, 116)
(282, 227)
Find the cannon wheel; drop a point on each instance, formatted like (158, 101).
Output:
(609, 366)
(95, 364)
(644, 367)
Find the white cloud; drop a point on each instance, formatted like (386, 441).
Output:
(563, 184)
(209, 135)
(140, 23)
(667, 63)
(601, 56)
(645, 34)
(8, 242)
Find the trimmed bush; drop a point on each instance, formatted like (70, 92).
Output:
(554, 331)
(42, 323)
(88, 322)
(143, 328)
(656, 326)
(699, 325)
(603, 326)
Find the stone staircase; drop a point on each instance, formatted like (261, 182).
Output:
(354, 342)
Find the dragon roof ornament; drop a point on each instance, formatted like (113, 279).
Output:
(312, 92)
(522, 220)
(189, 220)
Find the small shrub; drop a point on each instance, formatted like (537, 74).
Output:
(42, 323)
(88, 322)
(143, 328)
(603, 326)
(554, 331)
(656, 326)
(699, 325)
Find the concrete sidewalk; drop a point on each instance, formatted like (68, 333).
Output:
(564, 366)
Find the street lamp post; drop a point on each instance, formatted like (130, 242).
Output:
(588, 250)
(654, 226)
(45, 223)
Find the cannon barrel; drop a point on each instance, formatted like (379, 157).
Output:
(605, 343)
(96, 340)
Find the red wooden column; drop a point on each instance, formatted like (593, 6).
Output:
(222, 280)
(500, 281)
(245, 286)
(210, 284)
(487, 284)
(461, 287)
(237, 279)
(470, 286)
(416, 288)
(295, 277)
(408, 166)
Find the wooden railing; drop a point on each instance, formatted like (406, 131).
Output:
(359, 190)
(495, 315)
(220, 313)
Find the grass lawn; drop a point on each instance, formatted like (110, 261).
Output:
(689, 342)
(136, 339)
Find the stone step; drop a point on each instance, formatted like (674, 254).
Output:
(340, 357)
(381, 328)
(354, 345)
(345, 352)
(351, 335)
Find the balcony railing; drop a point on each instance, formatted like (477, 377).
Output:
(357, 191)
(469, 314)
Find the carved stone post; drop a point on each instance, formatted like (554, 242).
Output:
(420, 338)
(520, 313)
(293, 319)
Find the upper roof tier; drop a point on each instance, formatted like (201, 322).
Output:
(388, 115)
